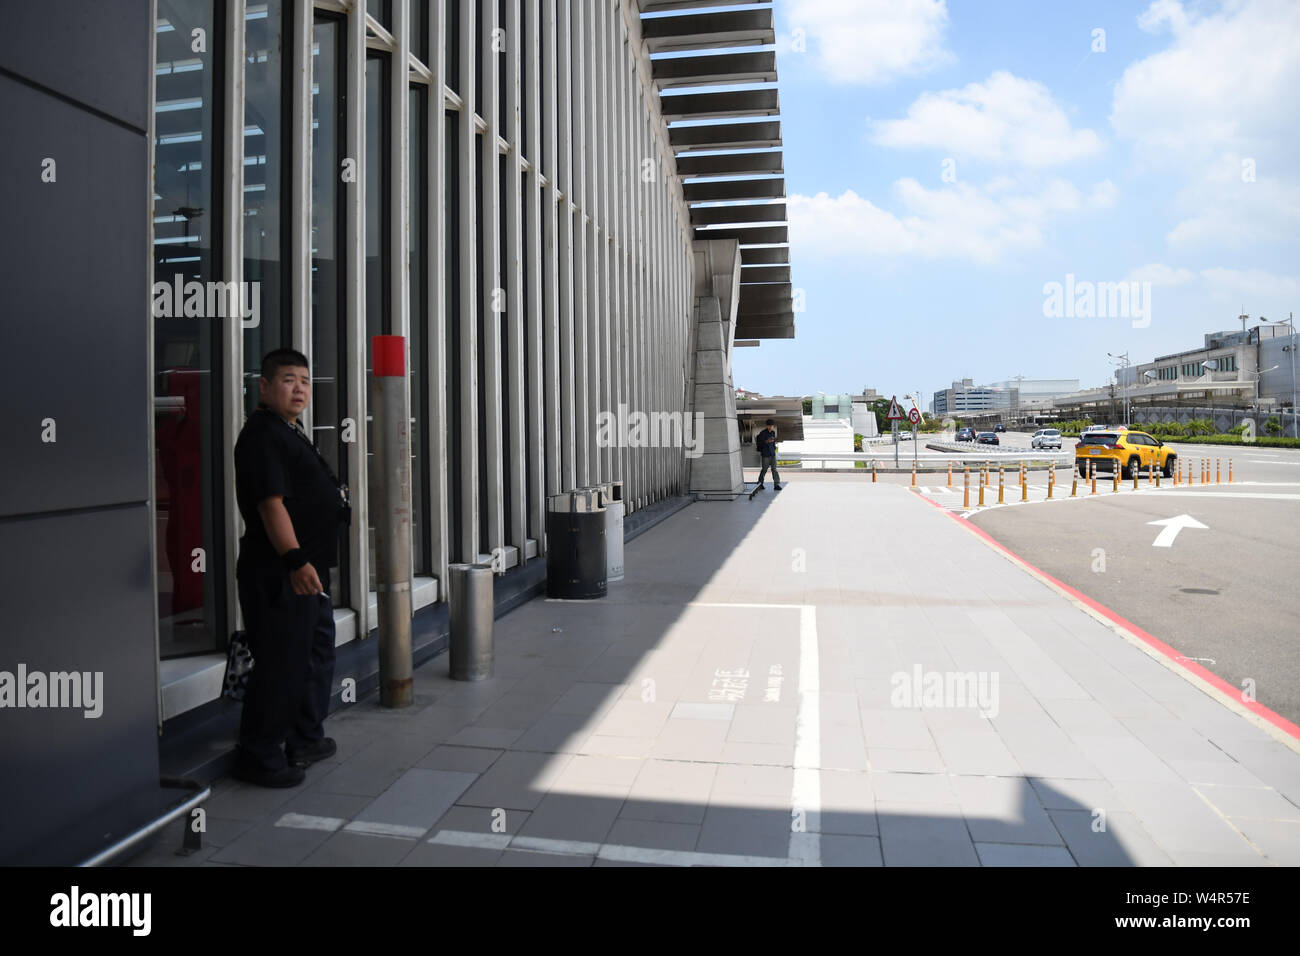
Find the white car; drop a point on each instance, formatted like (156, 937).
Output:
(1046, 438)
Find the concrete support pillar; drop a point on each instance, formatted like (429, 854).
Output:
(716, 472)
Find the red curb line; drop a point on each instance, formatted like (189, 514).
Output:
(1210, 678)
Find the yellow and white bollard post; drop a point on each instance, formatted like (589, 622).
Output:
(949, 474)
(1001, 482)
(965, 500)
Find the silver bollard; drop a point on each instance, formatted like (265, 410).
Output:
(471, 621)
(613, 530)
(391, 511)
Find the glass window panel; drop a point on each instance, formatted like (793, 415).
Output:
(329, 355)
(481, 237)
(451, 43)
(265, 167)
(419, 37)
(419, 282)
(451, 293)
(189, 456)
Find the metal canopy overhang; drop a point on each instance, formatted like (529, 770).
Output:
(712, 157)
(764, 274)
(763, 256)
(726, 104)
(725, 136)
(737, 214)
(748, 235)
(721, 190)
(718, 69)
(731, 164)
(663, 6)
(709, 31)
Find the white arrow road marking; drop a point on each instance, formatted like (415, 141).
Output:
(1165, 539)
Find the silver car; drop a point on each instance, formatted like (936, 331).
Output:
(1046, 438)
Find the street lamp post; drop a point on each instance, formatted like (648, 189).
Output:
(1259, 377)
(1124, 363)
(1295, 424)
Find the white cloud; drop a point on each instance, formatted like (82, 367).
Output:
(1006, 119)
(1220, 207)
(1159, 274)
(1226, 82)
(1255, 287)
(1215, 112)
(962, 221)
(872, 41)
(1103, 194)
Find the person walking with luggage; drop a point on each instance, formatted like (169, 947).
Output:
(292, 506)
(767, 454)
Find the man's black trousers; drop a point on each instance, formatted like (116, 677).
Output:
(291, 637)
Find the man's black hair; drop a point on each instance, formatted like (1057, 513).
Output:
(278, 359)
(771, 421)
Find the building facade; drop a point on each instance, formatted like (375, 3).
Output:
(965, 397)
(534, 194)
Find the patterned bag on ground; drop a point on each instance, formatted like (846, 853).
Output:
(239, 665)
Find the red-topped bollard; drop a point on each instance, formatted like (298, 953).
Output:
(390, 499)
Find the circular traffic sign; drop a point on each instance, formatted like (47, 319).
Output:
(914, 416)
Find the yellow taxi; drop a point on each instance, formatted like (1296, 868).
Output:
(1123, 448)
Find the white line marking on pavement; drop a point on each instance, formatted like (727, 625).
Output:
(604, 851)
(1169, 528)
(557, 847)
(723, 604)
(305, 821)
(1223, 494)
(374, 828)
(806, 792)
(484, 841)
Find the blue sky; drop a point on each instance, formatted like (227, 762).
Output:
(1170, 157)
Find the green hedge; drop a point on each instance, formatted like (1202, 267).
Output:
(1234, 440)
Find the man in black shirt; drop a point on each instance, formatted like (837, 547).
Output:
(767, 454)
(292, 505)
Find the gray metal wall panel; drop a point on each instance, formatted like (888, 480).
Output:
(75, 287)
(77, 596)
(96, 53)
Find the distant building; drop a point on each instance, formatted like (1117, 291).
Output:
(1232, 375)
(965, 397)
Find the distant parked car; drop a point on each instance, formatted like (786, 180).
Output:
(987, 438)
(965, 434)
(999, 427)
(1046, 438)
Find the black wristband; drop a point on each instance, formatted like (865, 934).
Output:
(294, 559)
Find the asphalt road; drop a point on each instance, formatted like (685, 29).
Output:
(1224, 595)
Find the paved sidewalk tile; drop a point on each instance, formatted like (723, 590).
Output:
(668, 719)
(1006, 854)
(418, 798)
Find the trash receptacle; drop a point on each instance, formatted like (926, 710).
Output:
(614, 530)
(471, 611)
(576, 545)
